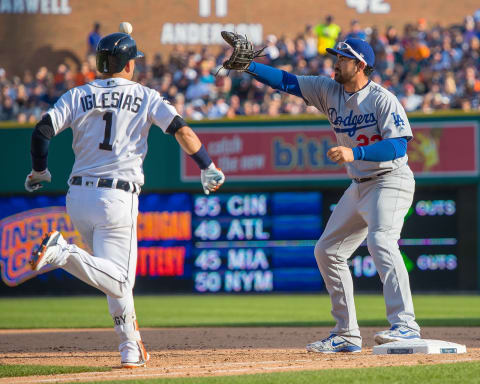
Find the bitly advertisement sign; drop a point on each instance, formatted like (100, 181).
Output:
(300, 152)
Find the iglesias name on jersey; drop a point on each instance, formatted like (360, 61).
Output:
(362, 118)
(110, 120)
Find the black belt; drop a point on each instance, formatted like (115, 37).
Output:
(126, 186)
(358, 181)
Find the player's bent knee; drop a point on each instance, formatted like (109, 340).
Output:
(379, 240)
(122, 290)
(320, 252)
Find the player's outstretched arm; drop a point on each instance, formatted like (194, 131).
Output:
(242, 60)
(41, 136)
(275, 78)
(211, 177)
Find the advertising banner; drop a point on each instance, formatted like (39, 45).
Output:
(300, 152)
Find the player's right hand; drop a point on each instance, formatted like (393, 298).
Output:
(340, 155)
(212, 178)
(35, 179)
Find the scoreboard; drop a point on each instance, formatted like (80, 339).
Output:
(256, 242)
(247, 242)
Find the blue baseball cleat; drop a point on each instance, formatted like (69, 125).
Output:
(333, 344)
(396, 333)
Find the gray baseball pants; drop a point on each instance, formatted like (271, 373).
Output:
(374, 210)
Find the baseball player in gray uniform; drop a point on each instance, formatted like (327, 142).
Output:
(110, 118)
(372, 132)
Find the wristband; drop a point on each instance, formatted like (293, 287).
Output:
(201, 158)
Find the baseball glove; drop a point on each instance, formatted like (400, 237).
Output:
(243, 52)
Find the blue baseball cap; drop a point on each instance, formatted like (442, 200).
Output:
(354, 49)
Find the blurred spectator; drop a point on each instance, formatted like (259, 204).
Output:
(3, 77)
(60, 77)
(85, 75)
(410, 101)
(393, 42)
(422, 29)
(379, 46)
(356, 31)
(327, 67)
(93, 39)
(219, 110)
(158, 67)
(205, 73)
(327, 34)
(469, 29)
(197, 90)
(8, 110)
(311, 43)
(415, 49)
(49, 98)
(235, 107)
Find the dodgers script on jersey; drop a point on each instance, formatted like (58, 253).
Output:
(367, 116)
(110, 120)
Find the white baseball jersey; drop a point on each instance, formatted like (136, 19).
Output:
(367, 116)
(110, 119)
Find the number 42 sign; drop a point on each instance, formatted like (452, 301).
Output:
(373, 6)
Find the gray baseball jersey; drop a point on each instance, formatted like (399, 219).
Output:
(110, 120)
(367, 116)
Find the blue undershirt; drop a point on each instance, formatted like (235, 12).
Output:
(385, 150)
(276, 78)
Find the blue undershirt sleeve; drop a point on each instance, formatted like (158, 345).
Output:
(276, 78)
(385, 150)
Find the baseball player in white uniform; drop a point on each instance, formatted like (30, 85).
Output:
(372, 132)
(110, 118)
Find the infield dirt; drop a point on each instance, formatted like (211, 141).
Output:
(191, 352)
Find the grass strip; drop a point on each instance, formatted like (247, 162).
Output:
(18, 370)
(245, 310)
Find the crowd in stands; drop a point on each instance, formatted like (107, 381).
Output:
(429, 67)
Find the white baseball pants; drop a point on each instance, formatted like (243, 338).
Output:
(107, 221)
(374, 210)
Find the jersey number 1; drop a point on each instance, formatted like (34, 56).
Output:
(108, 132)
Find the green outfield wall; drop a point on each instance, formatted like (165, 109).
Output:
(456, 154)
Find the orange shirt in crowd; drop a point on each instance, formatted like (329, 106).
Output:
(84, 77)
(416, 51)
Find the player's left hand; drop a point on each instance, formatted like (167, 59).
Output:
(212, 178)
(340, 155)
(34, 179)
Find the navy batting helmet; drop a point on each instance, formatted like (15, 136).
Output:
(114, 51)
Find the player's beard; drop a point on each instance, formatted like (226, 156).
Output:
(343, 78)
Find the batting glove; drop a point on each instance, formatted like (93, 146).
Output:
(212, 178)
(35, 179)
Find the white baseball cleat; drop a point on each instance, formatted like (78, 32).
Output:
(134, 354)
(396, 333)
(333, 344)
(47, 251)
